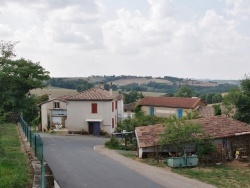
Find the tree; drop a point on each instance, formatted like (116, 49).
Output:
(236, 102)
(178, 133)
(17, 78)
(132, 96)
(209, 98)
(184, 91)
(217, 109)
(229, 102)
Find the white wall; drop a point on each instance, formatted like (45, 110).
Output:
(79, 111)
(46, 112)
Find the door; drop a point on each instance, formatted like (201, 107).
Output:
(91, 128)
(96, 126)
(179, 113)
(152, 111)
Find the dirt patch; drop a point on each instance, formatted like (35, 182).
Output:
(238, 164)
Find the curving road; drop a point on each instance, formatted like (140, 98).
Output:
(76, 165)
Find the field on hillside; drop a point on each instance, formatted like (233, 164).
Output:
(54, 91)
(140, 81)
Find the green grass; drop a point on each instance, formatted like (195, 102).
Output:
(220, 176)
(14, 169)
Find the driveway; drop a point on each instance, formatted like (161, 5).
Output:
(76, 165)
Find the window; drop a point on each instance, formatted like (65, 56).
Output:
(94, 108)
(116, 105)
(113, 123)
(56, 105)
(112, 106)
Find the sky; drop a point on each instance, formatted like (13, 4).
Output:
(183, 38)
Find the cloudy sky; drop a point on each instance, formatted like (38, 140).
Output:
(183, 38)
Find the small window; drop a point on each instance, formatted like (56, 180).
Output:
(112, 106)
(116, 105)
(94, 108)
(56, 105)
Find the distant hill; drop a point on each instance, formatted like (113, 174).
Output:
(126, 83)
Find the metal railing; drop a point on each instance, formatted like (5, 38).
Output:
(37, 144)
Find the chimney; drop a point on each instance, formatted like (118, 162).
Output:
(50, 97)
(110, 88)
(101, 85)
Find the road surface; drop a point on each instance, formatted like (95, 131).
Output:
(76, 165)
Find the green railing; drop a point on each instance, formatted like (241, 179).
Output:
(37, 144)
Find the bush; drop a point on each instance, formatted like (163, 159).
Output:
(113, 143)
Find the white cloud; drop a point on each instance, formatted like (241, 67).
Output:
(239, 8)
(77, 38)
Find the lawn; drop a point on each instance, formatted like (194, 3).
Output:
(220, 176)
(14, 168)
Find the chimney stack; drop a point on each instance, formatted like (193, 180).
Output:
(101, 85)
(110, 88)
(50, 97)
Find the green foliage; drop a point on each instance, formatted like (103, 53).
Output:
(229, 101)
(132, 96)
(193, 114)
(17, 78)
(113, 143)
(140, 119)
(184, 91)
(42, 98)
(14, 169)
(205, 147)
(178, 133)
(77, 84)
(236, 103)
(217, 109)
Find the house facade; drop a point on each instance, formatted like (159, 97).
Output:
(167, 106)
(53, 112)
(93, 111)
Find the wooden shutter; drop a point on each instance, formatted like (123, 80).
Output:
(94, 108)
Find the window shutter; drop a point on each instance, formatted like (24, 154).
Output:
(94, 108)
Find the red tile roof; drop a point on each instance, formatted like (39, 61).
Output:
(148, 135)
(216, 127)
(171, 102)
(222, 126)
(206, 111)
(96, 94)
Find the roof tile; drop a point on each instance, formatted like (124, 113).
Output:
(95, 93)
(172, 102)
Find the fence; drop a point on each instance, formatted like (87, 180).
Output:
(37, 144)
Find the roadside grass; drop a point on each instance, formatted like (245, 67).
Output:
(14, 168)
(220, 176)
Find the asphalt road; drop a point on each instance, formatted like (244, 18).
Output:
(76, 165)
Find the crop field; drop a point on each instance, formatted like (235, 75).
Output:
(54, 91)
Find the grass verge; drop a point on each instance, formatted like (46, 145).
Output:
(220, 176)
(14, 168)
